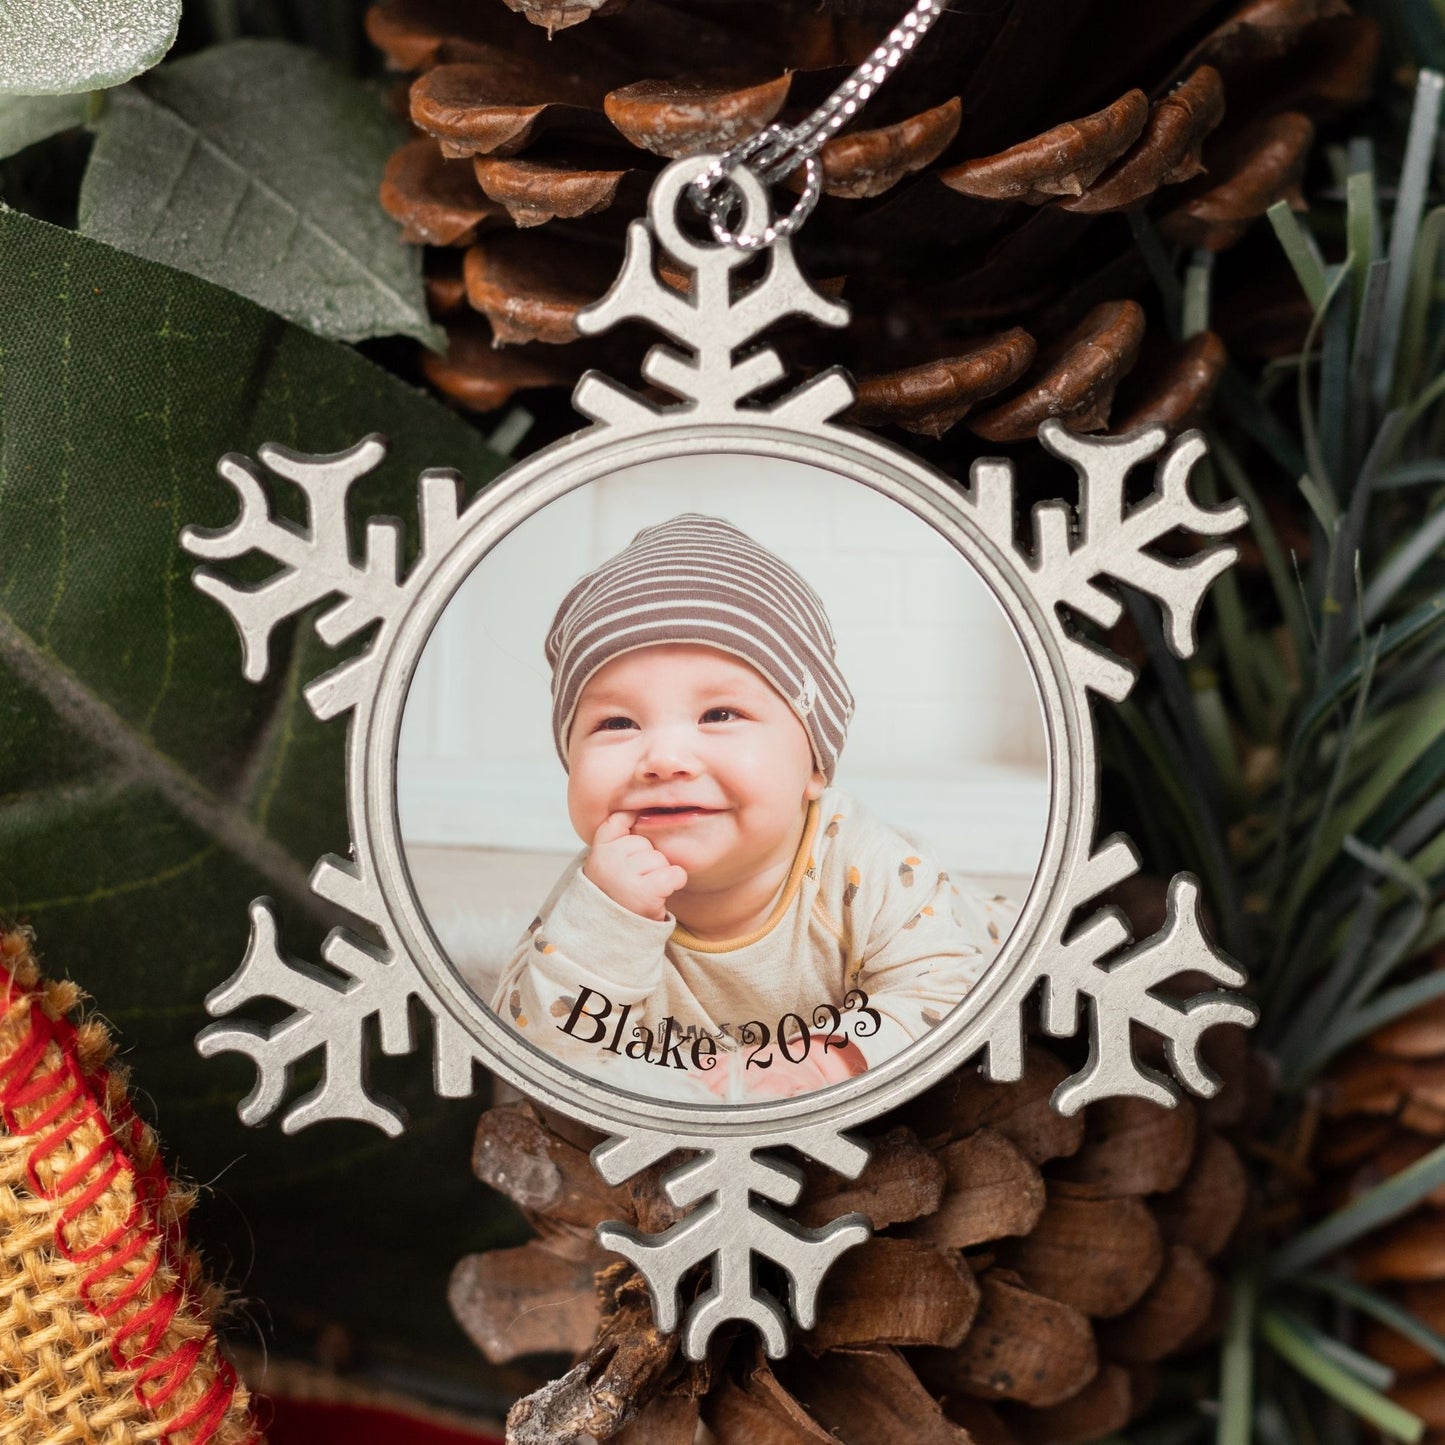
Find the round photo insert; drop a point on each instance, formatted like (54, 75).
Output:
(723, 779)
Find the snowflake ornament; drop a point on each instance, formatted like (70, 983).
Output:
(1068, 948)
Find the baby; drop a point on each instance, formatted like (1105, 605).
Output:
(737, 926)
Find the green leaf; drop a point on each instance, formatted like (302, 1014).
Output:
(26, 120)
(147, 792)
(1375, 1207)
(1349, 1359)
(1413, 731)
(1295, 1343)
(1301, 251)
(1236, 1369)
(1423, 546)
(1382, 1308)
(1405, 226)
(1197, 280)
(1384, 1008)
(256, 165)
(1399, 635)
(49, 48)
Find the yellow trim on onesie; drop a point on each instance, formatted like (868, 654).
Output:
(801, 860)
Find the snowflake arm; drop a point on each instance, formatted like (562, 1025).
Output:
(315, 560)
(1112, 541)
(732, 1229)
(711, 372)
(329, 1012)
(1121, 990)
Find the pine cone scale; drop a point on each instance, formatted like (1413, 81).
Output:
(664, 1420)
(1063, 161)
(530, 288)
(534, 192)
(1204, 1211)
(931, 397)
(866, 163)
(993, 1191)
(524, 1301)
(870, 1397)
(1077, 377)
(901, 1181)
(1133, 1147)
(1168, 151)
(761, 1411)
(438, 201)
(1105, 1405)
(621, 1373)
(1246, 176)
(1099, 1255)
(895, 1292)
(1178, 1305)
(673, 119)
(1020, 1111)
(1023, 1346)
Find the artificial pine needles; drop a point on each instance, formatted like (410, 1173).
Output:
(1299, 764)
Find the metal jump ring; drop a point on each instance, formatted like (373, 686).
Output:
(704, 191)
(716, 203)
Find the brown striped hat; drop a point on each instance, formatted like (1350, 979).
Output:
(699, 579)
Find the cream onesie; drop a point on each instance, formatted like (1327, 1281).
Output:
(868, 940)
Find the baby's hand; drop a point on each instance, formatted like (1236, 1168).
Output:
(783, 1079)
(629, 870)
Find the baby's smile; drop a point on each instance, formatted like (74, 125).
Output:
(668, 817)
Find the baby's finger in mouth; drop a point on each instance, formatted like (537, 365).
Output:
(613, 826)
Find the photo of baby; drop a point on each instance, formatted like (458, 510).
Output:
(736, 925)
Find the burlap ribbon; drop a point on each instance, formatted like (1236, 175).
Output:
(105, 1318)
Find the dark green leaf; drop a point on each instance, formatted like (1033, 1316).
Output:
(147, 792)
(256, 166)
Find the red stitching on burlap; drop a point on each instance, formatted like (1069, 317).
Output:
(158, 1315)
(40, 1087)
(119, 1258)
(174, 1369)
(208, 1412)
(26, 1057)
(19, 1089)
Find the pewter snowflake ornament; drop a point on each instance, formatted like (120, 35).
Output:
(1068, 948)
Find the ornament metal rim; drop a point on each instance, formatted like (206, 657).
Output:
(857, 458)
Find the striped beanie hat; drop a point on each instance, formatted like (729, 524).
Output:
(699, 579)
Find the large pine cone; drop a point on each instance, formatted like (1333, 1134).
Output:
(974, 219)
(1385, 1107)
(1027, 1273)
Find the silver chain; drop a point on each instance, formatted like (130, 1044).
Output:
(778, 150)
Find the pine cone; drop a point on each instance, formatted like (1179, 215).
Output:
(1385, 1108)
(1026, 1274)
(975, 219)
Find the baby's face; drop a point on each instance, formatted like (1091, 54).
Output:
(714, 763)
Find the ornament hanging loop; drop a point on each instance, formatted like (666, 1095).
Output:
(778, 150)
(721, 202)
